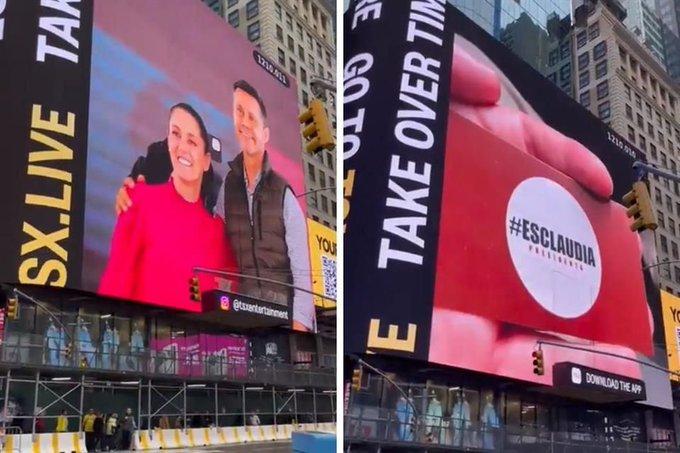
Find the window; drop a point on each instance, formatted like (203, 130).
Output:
(650, 129)
(252, 9)
(584, 79)
(289, 21)
(324, 203)
(643, 142)
(293, 67)
(661, 219)
(600, 50)
(674, 250)
(565, 72)
(660, 137)
(602, 90)
(305, 98)
(231, 3)
(322, 179)
(581, 39)
(583, 60)
(277, 8)
(312, 173)
(552, 57)
(233, 18)
(652, 150)
(594, 31)
(601, 69)
(669, 203)
(565, 51)
(254, 31)
(585, 99)
(279, 33)
(303, 76)
(282, 57)
(631, 134)
(629, 112)
(649, 110)
(627, 92)
(657, 195)
(309, 41)
(640, 122)
(299, 32)
(671, 226)
(664, 162)
(677, 209)
(291, 45)
(677, 274)
(638, 101)
(604, 111)
(664, 243)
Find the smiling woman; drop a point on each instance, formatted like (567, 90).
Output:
(167, 231)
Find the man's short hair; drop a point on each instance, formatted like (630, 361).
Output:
(248, 88)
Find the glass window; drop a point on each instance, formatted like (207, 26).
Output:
(585, 99)
(583, 60)
(324, 203)
(252, 9)
(565, 50)
(584, 79)
(565, 72)
(671, 228)
(231, 3)
(305, 98)
(677, 209)
(279, 33)
(631, 134)
(640, 121)
(660, 218)
(643, 143)
(254, 31)
(638, 101)
(291, 44)
(602, 90)
(629, 111)
(233, 18)
(677, 273)
(628, 96)
(601, 69)
(553, 57)
(594, 31)
(652, 150)
(657, 195)
(604, 111)
(293, 67)
(600, 50)
(289, 21)
(311, 171)
(301, 53)
(664, 243)
(650, 129)
(669, 202)
(277, 8)
(303, 76)
(282, 57)
(581, 39)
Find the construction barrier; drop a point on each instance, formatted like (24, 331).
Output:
(146, 440)
(45, 443)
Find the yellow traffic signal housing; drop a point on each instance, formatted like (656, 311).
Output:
(640, 208)
(357, 375)
(194, 289)
(13, 307)
(68, 351)
(317, 127)
(537, 357)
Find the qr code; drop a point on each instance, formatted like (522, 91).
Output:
(329, 281)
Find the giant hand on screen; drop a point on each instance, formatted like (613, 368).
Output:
(476, 92)
(123, 201)
(499, 348)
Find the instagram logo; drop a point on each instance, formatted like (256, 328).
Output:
(225, 303)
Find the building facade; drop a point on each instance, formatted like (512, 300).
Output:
(643, 21)
(298, 35)
(627, 88)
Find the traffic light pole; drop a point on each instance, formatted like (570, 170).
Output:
(49, 313)
(377, 371)
(609, 354)
(641, 168)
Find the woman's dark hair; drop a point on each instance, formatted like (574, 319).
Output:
(207, 182)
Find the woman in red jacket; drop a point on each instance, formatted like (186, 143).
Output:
(167, 231)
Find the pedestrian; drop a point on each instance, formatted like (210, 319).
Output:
(88, 427)
(62, 422)
(128, 427)
(111, 428)
(99, 432)
(255, 419)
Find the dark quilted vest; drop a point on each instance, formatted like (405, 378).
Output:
(260, 247)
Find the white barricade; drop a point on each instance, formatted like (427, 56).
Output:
(146, 440)
(216, 436)
(45, 443)
(169, 438)
(198, 437)
(184, 439)
(269, 432)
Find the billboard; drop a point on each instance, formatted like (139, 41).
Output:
(671, 322)
(481, 206)
(202, 124)
(323, 257)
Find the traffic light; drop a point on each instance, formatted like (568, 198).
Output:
(640, 209)
(539, 368)
(317, 127)
(194, 289)
(13, 307)
(68, 350)
(357, 374)
(83, 362)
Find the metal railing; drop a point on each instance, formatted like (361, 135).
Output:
(446, 433)
(172, 363)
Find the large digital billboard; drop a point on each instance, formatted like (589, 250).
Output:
(323, 256)
(143, 142)
(482, 206)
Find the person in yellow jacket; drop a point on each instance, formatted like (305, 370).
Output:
(62, 422)
(88, 427)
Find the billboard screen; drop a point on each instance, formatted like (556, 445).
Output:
(671, 322)
(200, 121)
(323, 257)
(481, 203)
